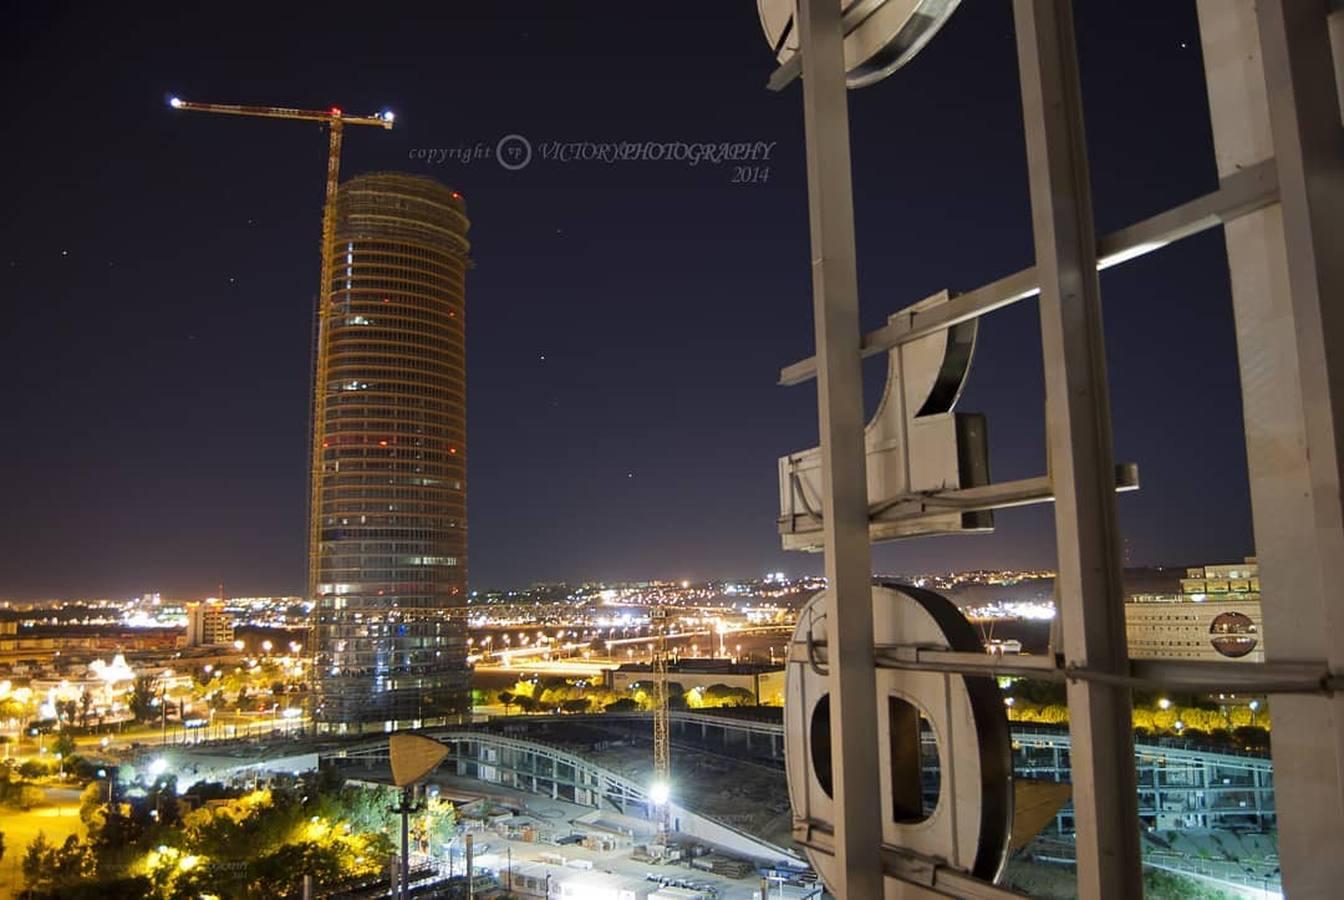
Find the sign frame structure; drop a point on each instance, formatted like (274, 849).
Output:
(1280, 149)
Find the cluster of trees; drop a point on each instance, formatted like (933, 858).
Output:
(261, 843)
(58, 870)
(19, 792)
(1193, 717)
(243, 687)
(581, 696)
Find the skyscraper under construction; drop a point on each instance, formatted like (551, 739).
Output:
(388, 528)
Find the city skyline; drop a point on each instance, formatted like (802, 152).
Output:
(625, 420)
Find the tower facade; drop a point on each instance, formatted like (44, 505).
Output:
(388, 527)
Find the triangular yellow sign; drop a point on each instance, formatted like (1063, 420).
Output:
(413, 757)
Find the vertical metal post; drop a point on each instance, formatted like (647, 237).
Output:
(405, 842)
(1272, 92)
(471, 867)
(1081, 462)
(835, 303)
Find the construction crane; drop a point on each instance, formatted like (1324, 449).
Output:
(662, 751)
(335, 120)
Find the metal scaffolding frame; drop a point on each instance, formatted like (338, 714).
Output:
(1281, 200)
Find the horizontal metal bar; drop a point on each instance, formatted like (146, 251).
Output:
(1192, 676)
(907, 866)
(1245, 192)
(933, 659)
(1003, 495)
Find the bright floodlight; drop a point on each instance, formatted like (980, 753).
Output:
(175, 103)
(387, 116)
(158, 767)
(659, 792)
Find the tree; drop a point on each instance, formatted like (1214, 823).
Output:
(32, 768)
(142, 698)
(436, 825)
(29, 796)
(723, 695)
(576, 705)
(64, 744)
(623, 705)
(508, 699)
(93, 805)
(35, 860)
(47, 867)
(85, 706)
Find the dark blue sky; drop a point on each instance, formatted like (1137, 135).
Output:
(159, 268)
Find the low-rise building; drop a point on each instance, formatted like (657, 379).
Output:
(1216, 616)
(207, 624)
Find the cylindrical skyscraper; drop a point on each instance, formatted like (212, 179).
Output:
(388, 526)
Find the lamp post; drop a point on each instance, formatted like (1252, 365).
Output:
(102, 773)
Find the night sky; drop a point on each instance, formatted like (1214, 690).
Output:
(626, 322)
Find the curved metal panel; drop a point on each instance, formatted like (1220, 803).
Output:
(970, 823)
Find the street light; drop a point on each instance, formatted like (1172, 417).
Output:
(1164, 704)
(102, 773)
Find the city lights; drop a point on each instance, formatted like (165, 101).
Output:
(248, 342)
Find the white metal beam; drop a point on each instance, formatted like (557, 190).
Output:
(1078, 438)
(1257, 97)
(1242, 191)
(835, 303)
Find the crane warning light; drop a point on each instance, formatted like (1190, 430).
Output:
(388, 116)
(175, 102)
(335, 110)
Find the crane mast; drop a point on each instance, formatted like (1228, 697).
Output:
(662, 751)
(335, 120)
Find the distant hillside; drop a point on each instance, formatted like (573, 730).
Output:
(1147, 580)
